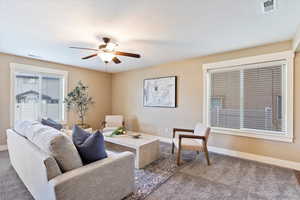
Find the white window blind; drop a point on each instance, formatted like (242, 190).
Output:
(262, 87)
(225, 86)
(248, 97)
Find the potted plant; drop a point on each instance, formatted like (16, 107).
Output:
(118, 131)
(79, 101)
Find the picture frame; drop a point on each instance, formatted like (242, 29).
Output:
(160, 92)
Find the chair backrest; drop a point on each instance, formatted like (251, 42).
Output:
(114, 120)
(201, 129)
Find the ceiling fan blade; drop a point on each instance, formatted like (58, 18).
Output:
(84, 48)
(102, 46)
(116, 60)
(90, 56)
(106, 40)
(133, 55)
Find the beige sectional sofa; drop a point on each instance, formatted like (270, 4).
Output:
(40, 170)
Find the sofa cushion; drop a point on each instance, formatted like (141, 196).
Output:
(24, 128)
(54, 143)
(89, 145)
(51, 123)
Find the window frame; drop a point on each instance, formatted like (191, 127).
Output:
(17, 67)
(287, 88)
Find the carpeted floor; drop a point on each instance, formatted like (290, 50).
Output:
(231, 179)
(227, 178)
(155, 174)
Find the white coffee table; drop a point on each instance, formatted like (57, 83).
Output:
(147, 147)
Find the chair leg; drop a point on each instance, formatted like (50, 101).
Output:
(206, 155)
(173, 146)
(178, 155)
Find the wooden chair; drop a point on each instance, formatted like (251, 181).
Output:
(112, 122)
(195, 141)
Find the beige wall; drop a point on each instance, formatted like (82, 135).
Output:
(99, 88)
(128, 100)
(122, 93)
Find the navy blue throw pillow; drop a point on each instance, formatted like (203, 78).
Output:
(89, 145)
(52, 123)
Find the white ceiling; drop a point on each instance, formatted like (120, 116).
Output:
(160, 30)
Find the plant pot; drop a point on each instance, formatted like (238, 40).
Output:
(83, 126)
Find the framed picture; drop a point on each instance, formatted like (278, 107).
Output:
(160, 92)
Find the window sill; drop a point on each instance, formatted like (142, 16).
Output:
(267, 135)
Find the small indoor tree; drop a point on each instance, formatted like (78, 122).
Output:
(79, 101)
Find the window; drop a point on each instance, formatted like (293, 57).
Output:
(216, 102)
(37, 92)
(251, 96)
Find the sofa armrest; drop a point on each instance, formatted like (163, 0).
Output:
(107, 179)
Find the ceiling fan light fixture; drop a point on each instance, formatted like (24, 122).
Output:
(111, 46)
(106, 57)
(107, 53)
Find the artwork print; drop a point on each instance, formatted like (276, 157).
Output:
(160, 92)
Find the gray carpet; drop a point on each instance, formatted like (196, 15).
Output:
(231, 179)
(11, 187)
(227, 178)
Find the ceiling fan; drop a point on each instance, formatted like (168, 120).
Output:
(107, 52)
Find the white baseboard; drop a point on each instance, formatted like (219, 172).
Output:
(255, 157)
(3, 147)
(248, 156)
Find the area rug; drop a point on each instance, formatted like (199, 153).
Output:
(147, 180)
(155, 174)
